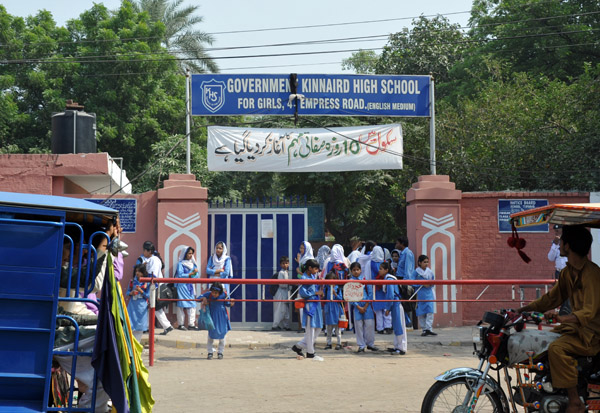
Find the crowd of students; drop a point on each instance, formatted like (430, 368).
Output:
(322, 306)
(380, 311)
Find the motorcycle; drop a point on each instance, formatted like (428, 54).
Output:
(502, 342)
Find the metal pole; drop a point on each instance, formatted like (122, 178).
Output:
(74, 131)
(432, 127)
(188, 120)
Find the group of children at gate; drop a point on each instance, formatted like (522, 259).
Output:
(380, 311)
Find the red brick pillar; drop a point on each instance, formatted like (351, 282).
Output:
(182, 220)
(433, 229)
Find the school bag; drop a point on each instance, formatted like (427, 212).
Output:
(274, 287)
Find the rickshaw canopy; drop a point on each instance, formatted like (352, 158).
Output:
(561, 214)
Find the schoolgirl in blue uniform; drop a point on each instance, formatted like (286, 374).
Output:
(220, 318)
(186, 268)
(138, 293)
(332, 311)
(383, 323)
(395, 309)
(364, 323)
(312, 316)
(425, 310)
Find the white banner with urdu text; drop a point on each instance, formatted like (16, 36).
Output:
(305, 150)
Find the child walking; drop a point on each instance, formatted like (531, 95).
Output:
(392, 292)
(138, 293)
(333, 311)
(281, 310)
(220, 318)
(312, 316)
(425, 292)
(364, 323)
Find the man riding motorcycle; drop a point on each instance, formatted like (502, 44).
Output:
(579, 281)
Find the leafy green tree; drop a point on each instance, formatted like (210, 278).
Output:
(181, 37)
(523, 133)
(552, 38)
(362, 62)
(432, 46)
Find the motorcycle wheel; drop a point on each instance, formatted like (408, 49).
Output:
(449, 397)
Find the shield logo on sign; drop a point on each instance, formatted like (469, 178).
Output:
(213, 95)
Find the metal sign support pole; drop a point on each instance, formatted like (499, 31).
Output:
(188, 120)
(432, 128)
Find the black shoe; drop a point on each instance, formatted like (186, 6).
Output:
(399, 352)
(338, 347)
(424, 333)
(220, 356)
(193, 328)
(431, 333)
(297, 350)
(409, 325)
(275, 328)
(327, 347)
(182, 328)
(302, 330)
(389, 330)
(310, 355)
(373, 348)
(287, 329)
(166, 331)
(361, 350)
(379, 331)
(209, 357)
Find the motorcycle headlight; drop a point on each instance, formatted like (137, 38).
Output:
(478, 336)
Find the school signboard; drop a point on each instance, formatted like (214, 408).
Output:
(506, 207)
(317, 94)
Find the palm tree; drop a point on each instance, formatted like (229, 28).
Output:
(181, 39)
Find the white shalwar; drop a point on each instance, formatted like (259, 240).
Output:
(282, 310)
(154, 269)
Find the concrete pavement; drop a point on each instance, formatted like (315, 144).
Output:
(449, 336)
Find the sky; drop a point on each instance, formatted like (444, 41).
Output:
(221, 17)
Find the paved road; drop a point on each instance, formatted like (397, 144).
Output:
(260, 374)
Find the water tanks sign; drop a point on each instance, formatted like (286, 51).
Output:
(127, 210)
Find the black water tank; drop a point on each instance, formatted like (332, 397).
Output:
(73, 131)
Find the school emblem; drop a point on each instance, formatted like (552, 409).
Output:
(213, 95)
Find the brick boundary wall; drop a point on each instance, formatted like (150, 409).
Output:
(486, 255)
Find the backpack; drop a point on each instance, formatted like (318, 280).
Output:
(274, 287)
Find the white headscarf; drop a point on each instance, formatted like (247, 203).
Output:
(219, 262)
(377, 255)
(337, 253)
(323, 254)
(189, 264)
(308, 252)
(387, 254)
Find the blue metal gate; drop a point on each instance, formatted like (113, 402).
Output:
(256, 238)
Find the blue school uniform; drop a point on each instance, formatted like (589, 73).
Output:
(185, 291)
(219, 315)
(312, 309)
(393, 293)
(138, 305)
(333, 310)
(367, 295)
(427, 292)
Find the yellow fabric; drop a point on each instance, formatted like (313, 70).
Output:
(143, 382)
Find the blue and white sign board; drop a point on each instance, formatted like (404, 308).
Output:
(127, 210)
(506, 207)
(320, 95)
